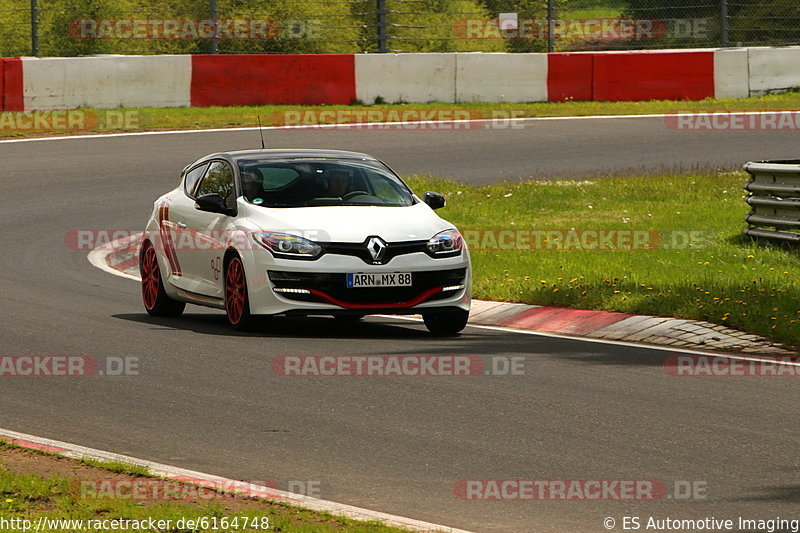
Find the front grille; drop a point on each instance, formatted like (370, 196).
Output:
(335, 285)
(359, 249)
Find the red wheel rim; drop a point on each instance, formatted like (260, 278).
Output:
(234, 291)
(151, 278)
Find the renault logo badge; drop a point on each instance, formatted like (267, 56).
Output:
(377, 248)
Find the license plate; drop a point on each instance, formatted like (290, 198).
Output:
(386, 279)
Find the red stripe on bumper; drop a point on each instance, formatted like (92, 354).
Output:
(423, 296)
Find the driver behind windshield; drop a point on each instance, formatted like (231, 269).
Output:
(252, 184)
(338, 183)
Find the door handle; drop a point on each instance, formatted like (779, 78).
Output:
(181, 225)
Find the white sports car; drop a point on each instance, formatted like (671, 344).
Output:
(307, 232)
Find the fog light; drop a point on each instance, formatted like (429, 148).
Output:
(291, 291)
(453, 288)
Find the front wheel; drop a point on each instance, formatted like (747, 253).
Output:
(237, 302)
(154, 297)
(446, 323)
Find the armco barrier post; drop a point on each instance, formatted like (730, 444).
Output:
(774, 200)
(34, 28)
(723, 15)
(383, 45)
(212, 8)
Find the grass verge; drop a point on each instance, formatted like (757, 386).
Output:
(35, 485)
(88, 120)
(677, 248)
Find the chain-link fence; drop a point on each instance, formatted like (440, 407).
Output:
(81, 27)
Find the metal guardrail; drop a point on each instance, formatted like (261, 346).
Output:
(774, 200)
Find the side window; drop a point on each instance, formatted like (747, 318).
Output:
(191, 179)
(218, 179)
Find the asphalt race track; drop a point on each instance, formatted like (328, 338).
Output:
(207, 399)
(540, 148)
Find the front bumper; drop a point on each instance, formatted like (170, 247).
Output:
(319, 287)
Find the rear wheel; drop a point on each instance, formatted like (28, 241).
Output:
(237, 302)
(154, 297)
(446, 323)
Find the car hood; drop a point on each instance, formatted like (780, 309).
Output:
(351, 223)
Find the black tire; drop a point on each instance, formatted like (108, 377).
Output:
(237, 300)
(154, 297)
(444, 324)
(349, 318)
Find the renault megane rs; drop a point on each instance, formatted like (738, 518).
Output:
(303, 232)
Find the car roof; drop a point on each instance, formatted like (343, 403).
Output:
(281, 153)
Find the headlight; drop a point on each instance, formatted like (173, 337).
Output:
(448, 243)
(288, 246)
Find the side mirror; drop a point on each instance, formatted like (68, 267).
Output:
(213, 203)
(434, 200)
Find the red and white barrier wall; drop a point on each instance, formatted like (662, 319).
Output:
(626, 76)
(773, 68)
(272, 79)
(176, 81)
(11, 85)
(106, 82)
(224, 80)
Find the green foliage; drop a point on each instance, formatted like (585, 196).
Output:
(525, 10)
(348, 26)
(433, 26)
(313, 27)
(294, 27)
(15, 28)
(768, 22)
(751, 23)
(673, 9)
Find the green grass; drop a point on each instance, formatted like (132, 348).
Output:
(27, 496)
(118, 467)
(718, 276)
(146, 118)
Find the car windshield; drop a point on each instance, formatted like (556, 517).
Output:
(314, 182)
